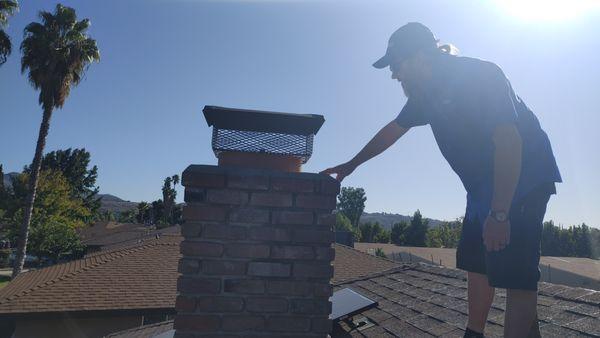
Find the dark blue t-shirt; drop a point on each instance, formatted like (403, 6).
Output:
(468, 99)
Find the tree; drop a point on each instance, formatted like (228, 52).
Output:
(373, 232)
(445, 235)
(352, 203)
(380, 253)
(143, 212)
(7, 8)
(56, 54)
(382, 236)
(56, 241)
(398, 235)
(169, 195)
(74, 166)
(342, 223)
(417, 230)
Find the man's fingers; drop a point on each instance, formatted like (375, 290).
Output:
(327, 171)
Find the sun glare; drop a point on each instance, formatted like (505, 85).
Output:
(548, 10)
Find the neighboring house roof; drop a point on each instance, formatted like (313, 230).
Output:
(137, 277)
(110, 235)
(585, 267)
(422, 300)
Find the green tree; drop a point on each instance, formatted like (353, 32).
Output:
(351, 202)
(398, 235)
(143, 214)
(382, 236)
(56, 53)
(380, 253)
(74, 166)
(417, 230)
(342, 223)
(7, 8)
(56, 241)
(445, 235)
(372, 232)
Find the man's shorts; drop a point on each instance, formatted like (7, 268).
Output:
(515, 266)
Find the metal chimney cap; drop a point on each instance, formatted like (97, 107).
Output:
(262, 121)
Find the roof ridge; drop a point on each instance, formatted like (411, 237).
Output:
(111, 256)
(403, 267)
(364, 253)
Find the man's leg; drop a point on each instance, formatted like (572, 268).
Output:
(520, 312)
(481, 296)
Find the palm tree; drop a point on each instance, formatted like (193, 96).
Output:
(7, 8)
(56, 53)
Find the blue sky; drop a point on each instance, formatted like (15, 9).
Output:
(139, 110)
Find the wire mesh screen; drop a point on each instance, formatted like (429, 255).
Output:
(262, 142)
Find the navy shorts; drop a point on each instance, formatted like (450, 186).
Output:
(517, 265)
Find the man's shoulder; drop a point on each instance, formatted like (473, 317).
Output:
(476, 71)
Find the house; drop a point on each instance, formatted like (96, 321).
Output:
(110, 235)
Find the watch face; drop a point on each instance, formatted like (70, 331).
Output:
(500, 216)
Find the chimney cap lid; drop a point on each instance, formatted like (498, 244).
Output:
(262, 121)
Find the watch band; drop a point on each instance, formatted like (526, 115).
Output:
(499, 215)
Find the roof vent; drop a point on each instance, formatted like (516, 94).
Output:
(262, 139)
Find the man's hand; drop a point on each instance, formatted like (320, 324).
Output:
(341, 170)
(496, 235)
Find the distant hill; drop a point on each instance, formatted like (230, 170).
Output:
(387, 219)
(115, 204)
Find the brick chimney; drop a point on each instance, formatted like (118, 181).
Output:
(257, 249)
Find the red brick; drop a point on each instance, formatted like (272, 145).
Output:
(203, 180)
(198, 285)
(194, 195)
(221, 231)
(198, 212)
(323, 290)
(292, 217)
(288, 324)
(249, 215)
(310, 306)
(289, 288)
(221, 196)
(196, 322)
(269, 269)
(248, 182)
(313, 270)
(313, 236)
(221, 267)
(191, 229)
(188, 266)
(266, 304)
(271, 199)
(243, 323)
(244, 286)
(326, 202)
(292, 184)
(247, 250)
(220, 304)
(185, 304)
(325, 253)
(321, 325)
(330, 186)
(326, 219)
(204, 249)
(269, 234)
(292, 252)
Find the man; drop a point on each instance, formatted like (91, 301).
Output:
(504, 159)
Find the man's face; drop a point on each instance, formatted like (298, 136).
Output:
(411, 73)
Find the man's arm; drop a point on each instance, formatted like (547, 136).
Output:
(507, 170)
(387, 136)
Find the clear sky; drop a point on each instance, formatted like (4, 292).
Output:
(139, 110)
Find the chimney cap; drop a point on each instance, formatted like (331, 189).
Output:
(262, 121)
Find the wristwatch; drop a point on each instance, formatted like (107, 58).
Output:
(500, 215)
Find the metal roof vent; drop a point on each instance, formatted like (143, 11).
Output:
(262, 139)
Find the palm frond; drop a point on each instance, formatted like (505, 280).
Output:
(7, 8)
(56, 53)
(5, 46)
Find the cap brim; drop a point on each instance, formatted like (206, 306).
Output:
(382, 63)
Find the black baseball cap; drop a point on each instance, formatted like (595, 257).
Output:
(405, 42)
